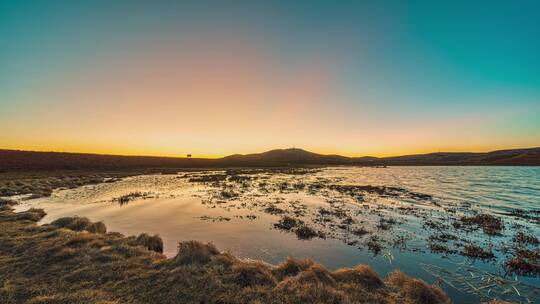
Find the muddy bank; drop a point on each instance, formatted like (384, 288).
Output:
(75, 260)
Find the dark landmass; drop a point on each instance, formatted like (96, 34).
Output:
(73, 260)
(15, 160)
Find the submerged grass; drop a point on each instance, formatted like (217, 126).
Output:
(73, 260)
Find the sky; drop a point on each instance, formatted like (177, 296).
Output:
(213, 78)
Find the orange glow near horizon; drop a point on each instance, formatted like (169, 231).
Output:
(223, 94)
(158, 153)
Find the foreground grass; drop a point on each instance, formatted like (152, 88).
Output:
(73, 260)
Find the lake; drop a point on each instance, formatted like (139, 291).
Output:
(425, 221)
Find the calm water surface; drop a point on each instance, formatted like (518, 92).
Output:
(179, 209)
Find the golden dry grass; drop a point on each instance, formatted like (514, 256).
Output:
(68, 262)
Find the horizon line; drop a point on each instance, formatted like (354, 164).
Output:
(222, 156)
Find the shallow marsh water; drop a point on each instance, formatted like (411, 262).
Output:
(404, 220)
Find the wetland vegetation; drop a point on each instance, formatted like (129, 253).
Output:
(469, 251)
(80, 262)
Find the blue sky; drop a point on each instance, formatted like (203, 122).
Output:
(353, 77)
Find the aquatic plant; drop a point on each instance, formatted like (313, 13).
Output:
(474, 251)
(525, 262)
(207, 178)
(305, 232)
(523, 239)
(124, 199)
(490, 224)
(272, 209)
(287, 223)
(374, 245)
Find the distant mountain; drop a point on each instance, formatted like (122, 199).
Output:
(519, 157)
(522, 157)
(13, 160)
(289, 157)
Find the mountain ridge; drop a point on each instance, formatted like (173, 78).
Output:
(33, 160)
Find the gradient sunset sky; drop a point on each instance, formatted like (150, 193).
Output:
(213, 78)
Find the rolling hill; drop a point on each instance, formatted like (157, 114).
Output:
(15, 160)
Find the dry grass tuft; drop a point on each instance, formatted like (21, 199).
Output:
(73, 223)
(252, 274)
(298, 293)
(291, 267)
(415, 290)
(361, 274)
(315, 274)
(77, 265)
(397, 279)
(153, 243)
(32, 214)
(80, 224)
(97, 227)
(193, 252)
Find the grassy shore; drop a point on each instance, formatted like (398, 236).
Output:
(73, 260)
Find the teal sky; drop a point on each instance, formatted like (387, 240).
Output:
(351, 77)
